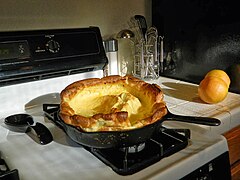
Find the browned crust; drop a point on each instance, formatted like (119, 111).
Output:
(151, 91)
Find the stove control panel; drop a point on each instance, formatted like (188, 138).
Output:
(14, 50)
(53, 46)
(33, 54)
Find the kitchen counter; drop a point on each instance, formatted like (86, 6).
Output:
(52, 159)
(182, 98)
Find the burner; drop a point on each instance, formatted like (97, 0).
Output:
(162, 144)
(133, 149)
(129, 160)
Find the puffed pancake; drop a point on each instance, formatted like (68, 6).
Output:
(112, 103)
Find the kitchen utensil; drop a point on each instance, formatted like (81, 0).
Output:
(112, 52)
(160, 48)
(191, 119)
(151, 36)
(125, 33)
(24, 123)
(151, 53)
(136, 28)
(125, 52)
(142, 23)
(124, 138)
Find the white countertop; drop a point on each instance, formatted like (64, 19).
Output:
(182, 98)
(61, 160)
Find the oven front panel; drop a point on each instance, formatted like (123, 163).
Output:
(218, 168)
(34, 55)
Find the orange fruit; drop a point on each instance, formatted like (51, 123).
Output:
(212, 89)
(220, 74)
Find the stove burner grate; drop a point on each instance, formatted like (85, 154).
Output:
(162, 144)
(6, 173)
(133, 149)
(125, 161)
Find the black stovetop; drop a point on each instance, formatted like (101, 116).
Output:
(129, 160)
(126, 161)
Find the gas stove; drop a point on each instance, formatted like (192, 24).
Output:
(199, 153)
(131, 159)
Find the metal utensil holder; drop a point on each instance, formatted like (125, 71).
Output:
(146, 60)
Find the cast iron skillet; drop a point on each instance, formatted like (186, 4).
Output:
(109, 139)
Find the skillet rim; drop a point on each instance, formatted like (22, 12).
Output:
(108, 132)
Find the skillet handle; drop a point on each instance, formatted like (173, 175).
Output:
(192, 119)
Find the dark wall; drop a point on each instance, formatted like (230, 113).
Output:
(203, 34)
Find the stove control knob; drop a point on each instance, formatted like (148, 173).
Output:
(53, 46)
